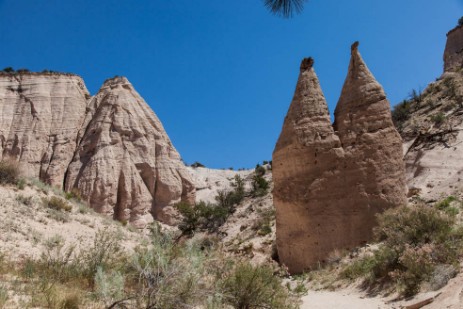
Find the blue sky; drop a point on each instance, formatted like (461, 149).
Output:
(221, 74)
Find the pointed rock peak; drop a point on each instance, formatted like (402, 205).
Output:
(308, 117)
(354, 47)
(308, 100)
(360, 87)
(307, 64)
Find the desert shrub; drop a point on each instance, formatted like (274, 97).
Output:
(416, 96)
(21, 183)
(263, 224)
(415, 240)
(197, 164)
(449, 205)
(8, 70)
(252, 287)
(23, 70)
(401, 113)
(438, 118)
(260, 186)
(171, 276)
(26, 200)
(9, 172)
(202, 216)
(3, 296)
(73, 194)
(105, 253)
(57, 203)
(260, 170)
(109, 286)
(71, 301)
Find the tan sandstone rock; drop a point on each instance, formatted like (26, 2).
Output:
(453, 55)
(125, 164)
(40, 115)
(330, 185)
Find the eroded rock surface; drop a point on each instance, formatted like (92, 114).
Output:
(125, 164)
(111, 147)
(40, 115)
(453, 55)
(331, 182)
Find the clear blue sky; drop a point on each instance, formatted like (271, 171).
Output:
(221, 74)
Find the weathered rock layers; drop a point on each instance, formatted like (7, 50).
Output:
(453, 54)
(331, 182)
(111, 147)
(39, 119)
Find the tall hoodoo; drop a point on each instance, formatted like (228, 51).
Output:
(453, 55)
(305, 162)
(329, 186)
(374, 164)
(40, 115)
(125, 164)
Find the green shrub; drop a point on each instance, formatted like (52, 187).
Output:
(447, 205)
(3, 296)
(260, 186)
(26, 200)
(259, 170)
(197, 164)
(252, 287)
(9, 172)
(73, 194)
(109, 286)
(169, 276)
(8, 70)
(21, 184)
(415, 240)
(438, 118)
(57, 203)
(401, 113)
(201, 216)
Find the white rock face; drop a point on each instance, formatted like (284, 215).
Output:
(111, 147)
(125, 164)
(40, 115)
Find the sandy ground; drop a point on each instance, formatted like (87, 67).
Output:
(27, 224)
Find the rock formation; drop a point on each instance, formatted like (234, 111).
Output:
(432, 130)
(453, 55)
(331, 182)
(111, 147)
(125, 164)
(40, 115)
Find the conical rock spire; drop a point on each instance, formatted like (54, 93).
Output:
(330, 186)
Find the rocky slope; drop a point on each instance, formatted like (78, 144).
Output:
(430, 124)
(331, 181)
(111, 147)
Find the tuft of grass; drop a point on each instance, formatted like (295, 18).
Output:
(57, 203)
(9, 172)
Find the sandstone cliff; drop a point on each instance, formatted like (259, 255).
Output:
(111, 147)
(40, 115)
(330, 185)
(453, 55)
